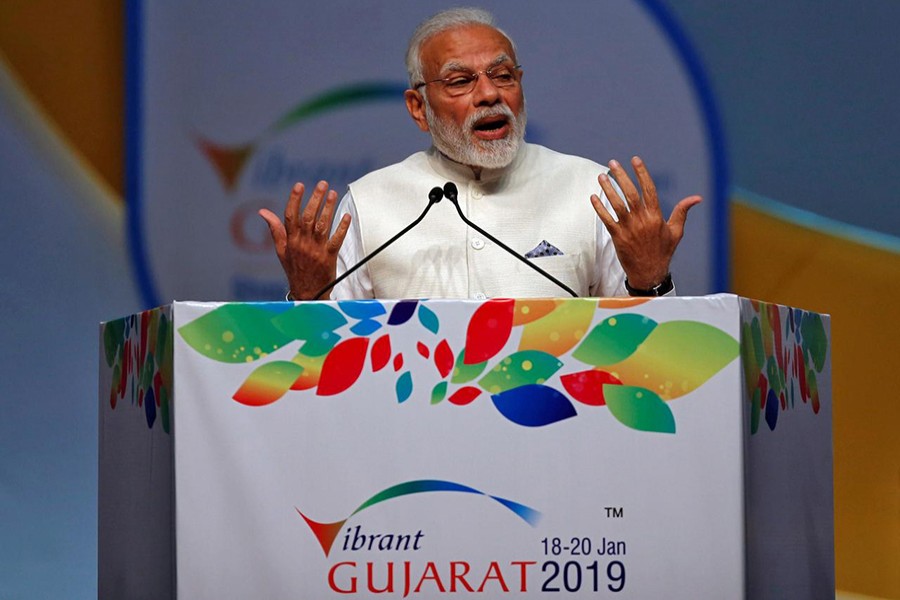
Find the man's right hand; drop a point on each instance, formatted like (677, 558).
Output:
(307, 253)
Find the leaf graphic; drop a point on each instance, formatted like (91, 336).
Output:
(365, 327)
(815, 341)
(587, 386)
(312, 371)
(532, 309)
(362, 309)
(533, 405)
(234, 333)
(308, 320)
(268, 383)
(464, 395)
(428, 319)
(381, 353)
(614, 339)
(488, 330)
(462, 372)
(520, 368)
(402, 312)
(561, 329)
(342, 366)
(404, 387)
(639, 408)
(677, 358)
(439, 392)
(443, 358)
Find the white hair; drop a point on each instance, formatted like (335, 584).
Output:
(443, 21)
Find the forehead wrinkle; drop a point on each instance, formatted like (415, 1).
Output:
(453, 65)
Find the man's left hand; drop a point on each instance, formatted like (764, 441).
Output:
(644, 240)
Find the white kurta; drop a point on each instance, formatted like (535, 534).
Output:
(542, 198)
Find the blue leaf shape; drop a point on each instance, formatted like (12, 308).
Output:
(150, 407)
(362, 309)
(534, 405)
(772, 407)
(402, 312)
(404, 387)
(428, 319)
(366, 327)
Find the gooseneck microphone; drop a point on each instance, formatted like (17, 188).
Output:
(451, 192)
(434, 196)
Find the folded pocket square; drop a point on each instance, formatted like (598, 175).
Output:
(545, 248)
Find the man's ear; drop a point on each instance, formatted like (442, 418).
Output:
(415, 105)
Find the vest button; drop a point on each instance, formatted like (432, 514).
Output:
(477, 243)
(480, 296)
(476, 193)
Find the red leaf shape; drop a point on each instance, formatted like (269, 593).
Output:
(398, 361)
(423, 349)
(381, 353)
(464, 395)
(343, 366)
(587, 386)
(763, 384)
(488, 330)
(443, 358)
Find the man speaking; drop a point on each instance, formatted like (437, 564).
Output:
(562, 213)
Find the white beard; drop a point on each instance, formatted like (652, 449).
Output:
(460, 145)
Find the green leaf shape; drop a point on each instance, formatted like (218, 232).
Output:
(815, 340)
(234, 333)
(677, 358)
(309, 321)
(518, 369)
(439, 392)
(754, 411)
(614, 339)
(639, 408)
(463, 373)
(113, 337)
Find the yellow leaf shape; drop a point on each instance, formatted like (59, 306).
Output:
(559, 331)
(677, 358)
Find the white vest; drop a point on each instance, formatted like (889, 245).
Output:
(541, 196)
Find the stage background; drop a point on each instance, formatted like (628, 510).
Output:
(806, 94)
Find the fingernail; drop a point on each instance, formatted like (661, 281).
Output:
(321, 185)
(604, 177)
(636, 160)
(614, 164)
(297, 187)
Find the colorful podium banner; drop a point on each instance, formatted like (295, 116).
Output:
(666, 448)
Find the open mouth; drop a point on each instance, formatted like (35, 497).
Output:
(493, 127)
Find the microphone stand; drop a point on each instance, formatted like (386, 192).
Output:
(451, 192)
(434, 196)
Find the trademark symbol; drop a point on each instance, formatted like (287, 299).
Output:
(614, 512)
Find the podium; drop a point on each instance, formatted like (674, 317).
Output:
(613, 448)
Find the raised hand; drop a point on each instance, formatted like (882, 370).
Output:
(645, 242)
(307, 252)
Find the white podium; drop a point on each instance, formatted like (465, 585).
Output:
(613, 448)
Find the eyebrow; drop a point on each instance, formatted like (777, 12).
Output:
(457, 66)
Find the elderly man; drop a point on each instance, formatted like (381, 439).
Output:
(466, 91)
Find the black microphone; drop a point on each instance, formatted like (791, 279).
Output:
(434, 196)
(451, 193)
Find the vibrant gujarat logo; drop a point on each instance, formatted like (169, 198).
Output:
(229, 161)
(327, 532)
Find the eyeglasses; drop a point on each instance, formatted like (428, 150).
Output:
(460, 84)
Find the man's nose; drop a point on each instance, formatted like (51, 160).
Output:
(485, 92)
